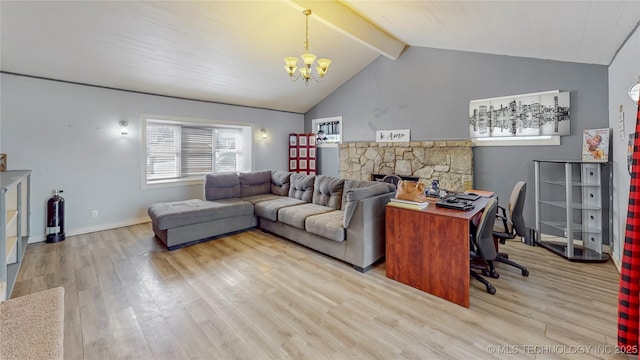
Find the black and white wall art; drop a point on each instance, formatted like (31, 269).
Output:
(535, 114)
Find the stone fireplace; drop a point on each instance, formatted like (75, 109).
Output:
(449, 161)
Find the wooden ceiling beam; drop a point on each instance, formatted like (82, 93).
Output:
(339, 17)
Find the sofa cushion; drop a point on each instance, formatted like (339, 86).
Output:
(254, 199)
(327, 191)
(357, 184)
(221, 186)
(296, 215)
(280, 182)
(170, 215)
(353, 195)
(301, 187)
(328, 225)
(254, 183)
(269, 209)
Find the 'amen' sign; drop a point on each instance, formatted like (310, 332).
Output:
(403, 135)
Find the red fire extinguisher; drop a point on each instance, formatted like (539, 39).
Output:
(55, 218)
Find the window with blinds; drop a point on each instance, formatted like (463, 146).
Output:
(186, 151)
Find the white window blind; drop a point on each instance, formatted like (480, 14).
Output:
(163, 152)
(188, 151)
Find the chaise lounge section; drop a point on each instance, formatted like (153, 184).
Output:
(340, 218)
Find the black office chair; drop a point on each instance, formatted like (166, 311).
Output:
(392, 179)
(482, 247)
(510, 224)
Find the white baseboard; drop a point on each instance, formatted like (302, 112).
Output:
(90, 229)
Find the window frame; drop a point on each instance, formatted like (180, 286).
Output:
(246, 149)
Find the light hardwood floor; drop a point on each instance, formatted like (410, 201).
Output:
(253, 295)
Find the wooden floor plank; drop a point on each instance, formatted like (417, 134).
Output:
(253, 295)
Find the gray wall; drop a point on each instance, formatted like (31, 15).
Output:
(328, 161)
(69, 136)
(428, 91)
(623, 71)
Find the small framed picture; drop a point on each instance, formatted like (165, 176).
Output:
(293, 165)
(595, 145)
(293, 152)
(293, 139)
(312, 152)
(303, 164)
(302, 140)
(303, 152)
(312, 164)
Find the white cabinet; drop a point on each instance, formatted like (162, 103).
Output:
(573, 208)
(14, 235)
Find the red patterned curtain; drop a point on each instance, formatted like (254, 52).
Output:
(629, 295)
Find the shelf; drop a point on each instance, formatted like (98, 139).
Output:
(577, 228)
(562, 183)
(580, 253)
(574, 206)
(569, 186)
(14, 231)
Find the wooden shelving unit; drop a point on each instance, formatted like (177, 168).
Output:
(14, 209)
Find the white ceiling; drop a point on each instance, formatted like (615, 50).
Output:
(231, 51)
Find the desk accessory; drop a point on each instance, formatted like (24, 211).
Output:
(408, 204)
(411, 190)
(455, 204)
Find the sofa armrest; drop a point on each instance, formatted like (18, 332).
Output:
(366, 231)
(353, 196)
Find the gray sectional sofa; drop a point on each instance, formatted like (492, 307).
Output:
(341, 218)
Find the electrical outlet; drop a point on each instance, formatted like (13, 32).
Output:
(94, 213)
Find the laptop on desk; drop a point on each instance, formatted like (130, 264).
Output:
(467, 196)
(455, 204)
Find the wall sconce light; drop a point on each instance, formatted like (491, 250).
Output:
(263, 132)
(124, 127)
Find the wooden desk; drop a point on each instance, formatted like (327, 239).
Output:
(429, 249)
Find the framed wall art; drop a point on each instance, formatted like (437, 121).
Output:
(536, 114)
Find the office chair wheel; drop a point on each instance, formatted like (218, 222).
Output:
(491, 290)
(494, 274)
(525, 272)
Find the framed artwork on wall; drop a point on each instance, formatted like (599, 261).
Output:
(328, 131)
(525, 115)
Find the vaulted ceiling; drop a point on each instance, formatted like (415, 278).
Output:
(232, 51)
